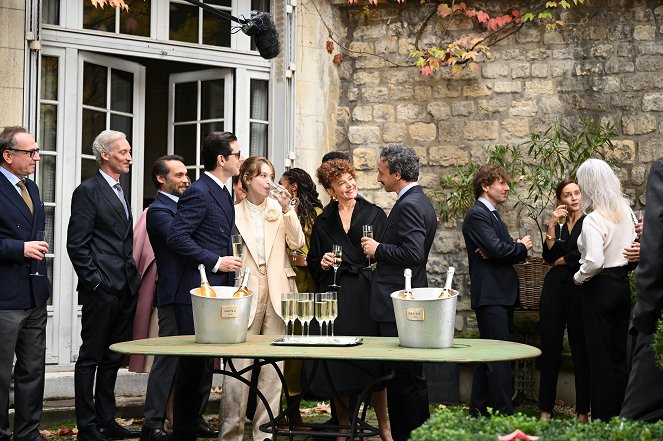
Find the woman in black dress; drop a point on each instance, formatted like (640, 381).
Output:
(560, 303)
(341, 224)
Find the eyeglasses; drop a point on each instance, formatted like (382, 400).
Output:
(30, 153)
(238, 155)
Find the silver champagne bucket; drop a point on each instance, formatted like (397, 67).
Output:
(221, 319)
(427, 321)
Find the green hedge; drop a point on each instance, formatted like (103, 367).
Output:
(455, 424)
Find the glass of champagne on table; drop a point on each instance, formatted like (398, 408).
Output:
(305, 310)
(561, 221)
(238, 248)
(367, 231)
(332, 309)
(288, 310)
(321, 309)
(338, 257)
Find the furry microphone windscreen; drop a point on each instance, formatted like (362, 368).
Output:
(266, 36)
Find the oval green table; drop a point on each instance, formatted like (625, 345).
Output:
(387, 349)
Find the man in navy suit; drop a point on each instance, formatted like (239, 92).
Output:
(200, 233)
(24, 294)
(493, 283)
(405, 243)
(170, 177)
(644, 394)
(99, 243)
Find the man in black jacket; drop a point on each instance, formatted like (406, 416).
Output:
(406, 243)
(99, 243)
(644, 394)
(493, 283)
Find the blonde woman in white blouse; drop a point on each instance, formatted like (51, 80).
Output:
(603, 276)
(267, 226)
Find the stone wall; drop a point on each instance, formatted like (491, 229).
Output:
(606, 62)
(12, 50)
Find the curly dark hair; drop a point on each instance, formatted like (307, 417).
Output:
(486, 175)
(331, 170)
(307, 195)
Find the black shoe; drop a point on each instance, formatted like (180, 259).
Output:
(36, 436)
(114, 431)
(147, 434)
(91, 433)
(203, 431)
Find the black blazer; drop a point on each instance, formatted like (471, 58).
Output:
(405, 243)
(169, 265)
(648, 275)
(493, 281)
(200, 233)
(100, 239)
(17, 226)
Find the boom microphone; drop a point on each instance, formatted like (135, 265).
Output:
(261, 27)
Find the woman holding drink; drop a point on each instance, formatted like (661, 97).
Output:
(341, 225)
(268, 227)
(560, 302)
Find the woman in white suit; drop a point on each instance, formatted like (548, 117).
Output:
(267, 226)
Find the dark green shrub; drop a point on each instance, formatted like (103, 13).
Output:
(453, 424)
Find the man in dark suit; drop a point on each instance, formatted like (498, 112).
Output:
(169, 175)
(24, 293)
(200, 233)
(99, 243)
(644, 393)
(406, 243)
(493, 283)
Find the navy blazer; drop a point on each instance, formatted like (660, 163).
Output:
(405, 243)
(200, 233)
(648, 275)
(493, 281)
(169, 264)
(100, 239)
(17, 226)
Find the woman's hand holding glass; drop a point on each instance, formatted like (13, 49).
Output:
(282, 195)
(558, 218)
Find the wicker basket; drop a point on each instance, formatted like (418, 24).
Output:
(530, 277)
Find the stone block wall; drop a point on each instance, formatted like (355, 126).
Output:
(606, 62)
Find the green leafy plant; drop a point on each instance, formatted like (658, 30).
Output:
(658, 342)
(455, 424)
(536, 167)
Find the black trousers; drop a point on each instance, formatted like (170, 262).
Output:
(23, 332)
(492, 384)
(407, 393)
(605, 312)
(191, 372)
(644, 393)
(559, 310)
(106, 319)
(162, 375)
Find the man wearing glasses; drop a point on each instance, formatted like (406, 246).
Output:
(26, 288)
(200, 233)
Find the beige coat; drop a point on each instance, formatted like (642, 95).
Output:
(285, 229)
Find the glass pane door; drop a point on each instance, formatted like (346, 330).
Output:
(200, 102)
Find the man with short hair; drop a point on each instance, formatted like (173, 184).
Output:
(491, 253)
(99, 243)
(200, 233)
(170, 177)
(24, 292)
(405, 243)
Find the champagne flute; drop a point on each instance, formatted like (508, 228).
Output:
(288, 311)
(305, 310)
(332, 309)
(561, 221)
(321, 309)
(237, 244)
(277, 191)
(367, 231)
(338, 257)
(41, 237)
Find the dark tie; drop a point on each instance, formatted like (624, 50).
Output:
(227, 192)
(26, 196)
(503, 229)
(120, 194)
